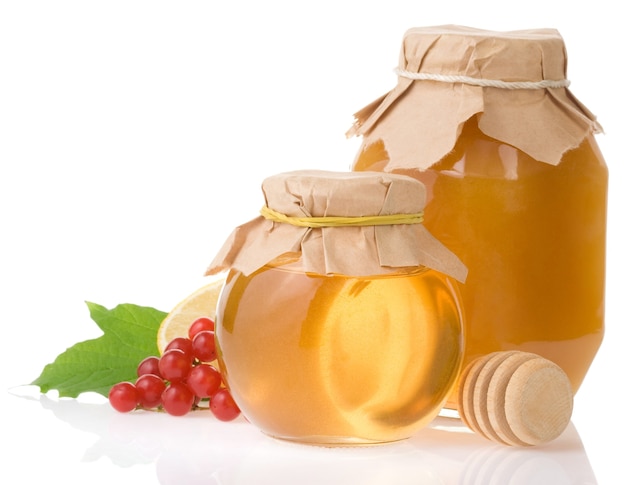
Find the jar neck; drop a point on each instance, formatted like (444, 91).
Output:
(292, 262)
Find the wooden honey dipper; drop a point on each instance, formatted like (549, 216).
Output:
(515, 398)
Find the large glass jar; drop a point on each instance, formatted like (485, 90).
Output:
(337, 349)
(517, 186)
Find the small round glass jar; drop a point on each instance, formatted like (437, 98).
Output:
(339, 359)
(352, 354)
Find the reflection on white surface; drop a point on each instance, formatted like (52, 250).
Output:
(198, 449)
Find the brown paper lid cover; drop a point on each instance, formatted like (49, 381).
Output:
(419, 120)
(361, 250)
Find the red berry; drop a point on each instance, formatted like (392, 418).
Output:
(223, 405)
(149, 365)
(204, 380)
(204, 346)
(177, 399)
(174, 365)
(200, 324)
(150, 387)
(182, 343)
(124, 397)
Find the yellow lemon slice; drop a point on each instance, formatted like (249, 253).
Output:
(200, 303)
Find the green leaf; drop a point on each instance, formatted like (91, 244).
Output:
(95, 365)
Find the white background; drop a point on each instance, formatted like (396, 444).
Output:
(134, 136)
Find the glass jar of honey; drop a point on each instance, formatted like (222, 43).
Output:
(339, 322)
(517, 186)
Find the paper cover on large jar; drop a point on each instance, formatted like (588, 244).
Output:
(354, 224)
(515, 82)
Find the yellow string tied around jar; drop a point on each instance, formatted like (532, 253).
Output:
(341, 221)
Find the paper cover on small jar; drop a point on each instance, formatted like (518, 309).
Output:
(339, 322)
(354, 251)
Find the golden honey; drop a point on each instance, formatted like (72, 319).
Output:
(336, 360)
(532, 235)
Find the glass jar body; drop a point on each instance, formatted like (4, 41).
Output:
(533, 238)
(337, 360)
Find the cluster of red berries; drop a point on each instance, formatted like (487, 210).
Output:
(181, 380)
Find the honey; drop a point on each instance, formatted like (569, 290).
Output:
(340, 321)
(339, 359)
(516, 184)
(533, 237)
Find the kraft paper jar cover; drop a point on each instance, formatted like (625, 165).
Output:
(419, 120)
(351, 251)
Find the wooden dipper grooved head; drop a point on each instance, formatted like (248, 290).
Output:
(466, 387)
(515, 398)
(483, 382)
(496, 395)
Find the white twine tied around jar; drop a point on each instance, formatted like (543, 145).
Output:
(492, 83)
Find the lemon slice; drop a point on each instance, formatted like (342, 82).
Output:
(200, 303)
